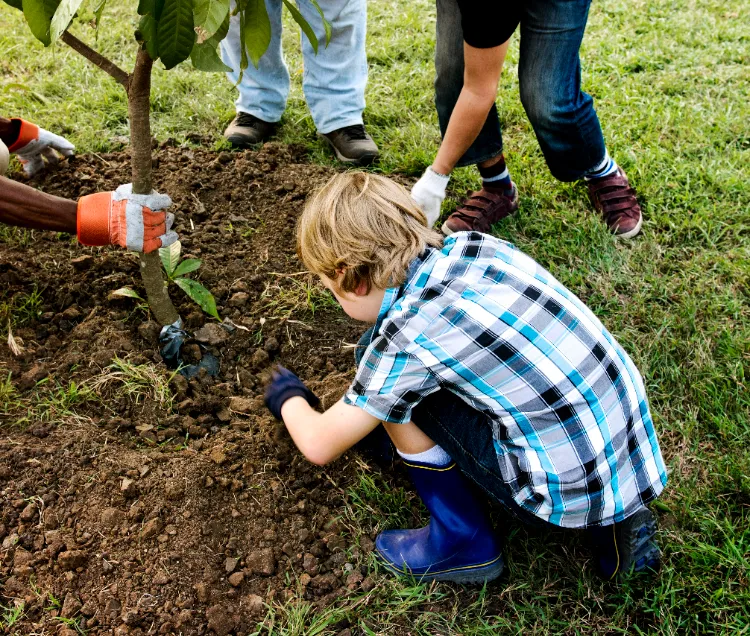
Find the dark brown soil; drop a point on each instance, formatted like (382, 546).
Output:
(143, 519)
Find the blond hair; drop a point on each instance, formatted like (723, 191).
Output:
(365, 225)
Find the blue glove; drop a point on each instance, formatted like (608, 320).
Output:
(285, 385)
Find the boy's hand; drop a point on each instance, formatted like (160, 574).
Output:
(429, 193)
(35, 144)
(137, 222)
(285, 385)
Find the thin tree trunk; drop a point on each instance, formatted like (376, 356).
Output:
(139, 93)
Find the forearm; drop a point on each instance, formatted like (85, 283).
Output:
(26, 207)
(466, 122)
(322, 437)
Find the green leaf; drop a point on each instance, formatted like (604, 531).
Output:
(16, 4)
(38, 14)
(187, 266)
(147, 28)
(126, 292)
(199, 294)
(153, 7)
(256, 30)
(326, 23)
(170, 256)
(63, 15)
(304, 25)
(205, 57)
(98, 14)
(209, 16)
(175, 33)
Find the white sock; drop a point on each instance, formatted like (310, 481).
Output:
(435, 456)
(606, 167)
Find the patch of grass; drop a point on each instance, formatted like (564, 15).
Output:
(10, 615)
(47, 402)
(15, 236)
(19, 309)
(136, 382)
(296, 295)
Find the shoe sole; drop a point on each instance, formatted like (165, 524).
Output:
(638, 542)
(240, 142)
(364, 160)
(479, 574)
(447, 231)
(634, 232)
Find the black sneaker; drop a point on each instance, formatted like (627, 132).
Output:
(352, 144)
(247, 130)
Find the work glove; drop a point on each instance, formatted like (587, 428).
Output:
(35, 144)
(284, 385)
(134, 221)
(429, 193)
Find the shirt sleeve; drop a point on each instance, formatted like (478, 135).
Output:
(488, 24)
(390, 382)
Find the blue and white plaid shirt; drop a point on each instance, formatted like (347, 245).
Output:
(573, 433)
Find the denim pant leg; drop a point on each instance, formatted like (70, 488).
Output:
(335, 79)
(263, 90)
(449, 80)
(466, 435)
(549, 74)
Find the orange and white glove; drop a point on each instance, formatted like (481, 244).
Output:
(135, 221)
(35, 144)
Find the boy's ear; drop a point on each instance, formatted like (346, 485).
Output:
(361, 289)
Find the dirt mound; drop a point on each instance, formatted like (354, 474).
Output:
(138, 501)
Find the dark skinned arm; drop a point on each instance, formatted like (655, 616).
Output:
(26, 207)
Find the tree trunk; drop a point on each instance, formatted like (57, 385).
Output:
(139, 93)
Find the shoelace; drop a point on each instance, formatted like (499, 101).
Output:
(354, 132)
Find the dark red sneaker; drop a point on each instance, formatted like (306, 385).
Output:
(480, 211)
(615, 200)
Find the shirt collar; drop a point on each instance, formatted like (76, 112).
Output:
(392, 293)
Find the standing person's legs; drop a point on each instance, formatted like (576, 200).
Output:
(335, 78)
(262, 91)
(563, 115)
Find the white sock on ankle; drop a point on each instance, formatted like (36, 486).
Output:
(435, 456)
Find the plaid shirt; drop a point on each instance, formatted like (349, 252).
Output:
(574, 438)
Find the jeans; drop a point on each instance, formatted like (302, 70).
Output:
(334, 80)
(549, 74)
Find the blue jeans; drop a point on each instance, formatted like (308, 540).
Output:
(549, 74)
(334, 80)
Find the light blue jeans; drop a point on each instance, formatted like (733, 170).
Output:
(334, 80)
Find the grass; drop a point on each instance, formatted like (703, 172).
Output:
(136, 382)
(671, 80)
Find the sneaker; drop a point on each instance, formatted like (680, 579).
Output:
(247, 130)
(480, 211)
(352, 144)
(615, 200)
(628, 545)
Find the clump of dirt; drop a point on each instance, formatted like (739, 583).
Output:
(177, 507)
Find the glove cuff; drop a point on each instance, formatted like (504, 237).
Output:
(435, 179)
(294, 391)
(28, 132)
(93, 219)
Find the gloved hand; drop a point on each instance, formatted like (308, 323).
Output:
(429, 193)
(134, 221)
(285, 385)
(35, 144)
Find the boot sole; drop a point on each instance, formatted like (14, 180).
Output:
(240, 142)
(643, 552)
(479, 574)
(634, 232)
(364, 160)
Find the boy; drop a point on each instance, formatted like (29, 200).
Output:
(482, 368)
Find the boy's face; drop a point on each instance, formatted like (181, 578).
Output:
(360, 305)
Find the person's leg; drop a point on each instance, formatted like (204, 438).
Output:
(563, 115)
(335, 78)
(459, 544)
(262, 91)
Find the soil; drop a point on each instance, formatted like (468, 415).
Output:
(135, 516)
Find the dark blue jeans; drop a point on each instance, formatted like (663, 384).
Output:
(549, 74)
(464, 433)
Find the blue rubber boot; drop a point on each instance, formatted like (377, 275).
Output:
(459, 544)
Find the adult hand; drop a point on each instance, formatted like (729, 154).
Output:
(429, 193)
(284, 385)
(135, 221)
(35, 144)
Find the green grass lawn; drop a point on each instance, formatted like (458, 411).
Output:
(671, 79)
